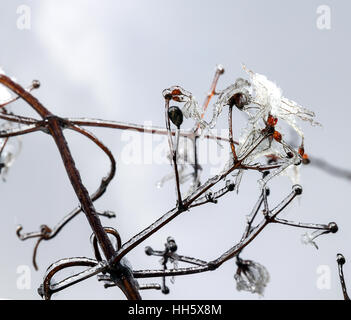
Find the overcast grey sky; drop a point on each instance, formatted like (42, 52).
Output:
(111, 60)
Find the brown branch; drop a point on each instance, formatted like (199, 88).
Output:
(54, 125)
(119, 274)
(229, 254)
(21, 131)
(25, 95)
(18, 119)
(47, 289)
(212, 92)
(35, 85)
(139, 128)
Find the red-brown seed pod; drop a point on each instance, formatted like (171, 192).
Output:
(176, 98)
(239, 100)
(272, 121)
(175, 95)
(277, 136)
(176, 92)
(305, 159)
(301, 151)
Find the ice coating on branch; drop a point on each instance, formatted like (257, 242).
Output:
(186, 166)
(10, 149)
(308, 239)
(191, 109)
(241, 86)
(175, 266)
(293, 173)
(269, 97)
(253, 146)
(258, 94)
(260, 99)
(177, 93)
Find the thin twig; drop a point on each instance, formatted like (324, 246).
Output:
(341, 261)
(212, 92)
(231, 141)
(173, 152)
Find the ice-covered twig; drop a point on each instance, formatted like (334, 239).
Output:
(35, 85)
(174, 147)
(341, 261)
(212, 92)
(47, 233)
(47, 288)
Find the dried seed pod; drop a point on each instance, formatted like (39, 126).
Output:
(239, 100)
(251, 276)
(272, 121)
(175, 115)
(176, 93)
(277, 136)
(301, 151)
(305, 159)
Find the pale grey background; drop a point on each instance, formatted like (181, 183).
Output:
(112, 59)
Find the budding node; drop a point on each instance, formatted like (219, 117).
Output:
(35, 84)
(149, 251)
(340, 259)
(297, 189)
(333, 227)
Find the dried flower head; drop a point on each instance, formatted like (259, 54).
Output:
(251, 276)
(269, 98)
